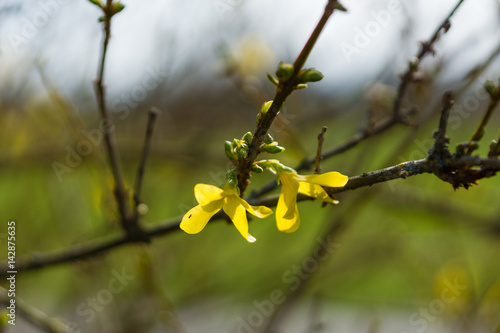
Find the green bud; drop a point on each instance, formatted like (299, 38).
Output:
(301, 86)
(241, 152)
(101, 19)
(494, 149)
(257, 168)
(231, 178)
(117, 7)
(309, 75)
(96, 2)
(414, 62)
(272, 148)
(284, 71)
(248, 137)
(228, 149)
(490, 88)
(272, 79)
(268, 139)
(265, 107)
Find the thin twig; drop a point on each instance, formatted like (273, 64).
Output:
(321, 139)
(152, 116)
(426, 48)
(109, 135)
(479, 133)
(442, 141)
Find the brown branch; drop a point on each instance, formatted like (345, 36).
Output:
(109, 135)
(426, 48)
(152, 116)
(321, 139)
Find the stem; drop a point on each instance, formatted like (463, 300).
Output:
(479, 133)
(109, 135)
(152, 116)
(282, 92)
(321, 139)
(427, 47)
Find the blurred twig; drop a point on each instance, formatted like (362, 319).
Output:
(321, 139)
(35, 316)
(152, 116)
(109, 135)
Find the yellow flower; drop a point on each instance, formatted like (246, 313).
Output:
(211, 199)
(287, 214)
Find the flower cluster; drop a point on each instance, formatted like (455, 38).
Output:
(212, 198)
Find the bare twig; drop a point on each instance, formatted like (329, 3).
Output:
(321, 139)
(479, 133)
(426, 48)
(109, 135)
(152, 116)
(442, 141)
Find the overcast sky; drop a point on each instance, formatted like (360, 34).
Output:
(172, 35)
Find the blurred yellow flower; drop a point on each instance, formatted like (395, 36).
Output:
(287, 214)
(211, 199)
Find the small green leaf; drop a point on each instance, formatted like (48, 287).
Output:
(272, 79)
(301, 86)
(96, 2)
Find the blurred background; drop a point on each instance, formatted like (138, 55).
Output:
(405, 256)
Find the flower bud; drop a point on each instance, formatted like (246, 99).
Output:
(309, 75)
(241, 152)
(96, 2)
(117, 7)
(490, 88)
(248, 137)
(284, 71)
(268, 139)
(272, 148)
(228, 149)
(257, 168)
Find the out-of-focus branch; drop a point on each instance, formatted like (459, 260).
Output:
(35, 316)
(127, 222)
(152, 116)
(321, 139)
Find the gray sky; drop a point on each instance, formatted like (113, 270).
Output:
(173, 35)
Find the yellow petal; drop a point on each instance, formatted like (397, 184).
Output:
(331, 179)
(237, 213)
(287, 202)
(197, 217)
(288, 224)
(205, 193)
(315, 191)
(259, 211)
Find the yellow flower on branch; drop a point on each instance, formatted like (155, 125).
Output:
(287, 213)
(211, 199)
